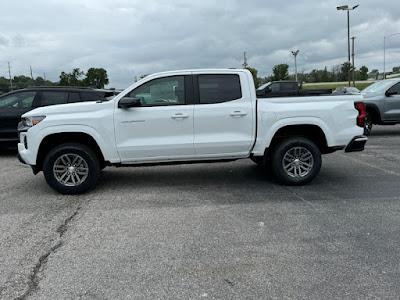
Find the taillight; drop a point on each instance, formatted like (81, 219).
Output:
(362, 112)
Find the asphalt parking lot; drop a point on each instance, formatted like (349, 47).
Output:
(207, 231)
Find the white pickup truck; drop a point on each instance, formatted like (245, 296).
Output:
(189, 116)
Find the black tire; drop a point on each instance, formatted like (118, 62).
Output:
(368, 124)
(71, 169)
(296, 161)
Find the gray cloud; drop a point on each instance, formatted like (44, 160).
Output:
(131, 38)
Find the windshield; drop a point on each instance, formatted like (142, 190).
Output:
(264, 86)
(378, 87)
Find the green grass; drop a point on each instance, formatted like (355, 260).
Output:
(329, 85)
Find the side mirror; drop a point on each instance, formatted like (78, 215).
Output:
(268, 89)
(389, 93)
(129, 102)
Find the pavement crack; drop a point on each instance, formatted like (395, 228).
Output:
(62, 229)
(34, 278)
(229, 282)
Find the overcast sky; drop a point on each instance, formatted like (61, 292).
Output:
(130, 38)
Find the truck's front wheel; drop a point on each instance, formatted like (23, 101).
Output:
(71, 169)
(296, 161)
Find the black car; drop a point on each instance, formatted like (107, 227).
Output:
(14, 104)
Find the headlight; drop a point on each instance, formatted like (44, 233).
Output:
(32, 121)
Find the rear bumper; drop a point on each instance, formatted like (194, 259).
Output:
(356, 144)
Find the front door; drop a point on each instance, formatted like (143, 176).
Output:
(161, 128)
(392, 104)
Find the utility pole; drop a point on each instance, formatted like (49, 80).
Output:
(295, 62)
(384, 52)
(245, 65)
(9, 73)
(348, 41)
(352, 55)
(31, 75)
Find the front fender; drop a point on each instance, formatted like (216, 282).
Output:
(36, 135)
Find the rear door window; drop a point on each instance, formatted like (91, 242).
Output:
(54, 97)
(219, 88)
(74, 97)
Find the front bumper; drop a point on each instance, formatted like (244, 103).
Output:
(356, 144)
(21, 160)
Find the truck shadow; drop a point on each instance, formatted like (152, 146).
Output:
(238, 182)
(388, 130)
(8, 152)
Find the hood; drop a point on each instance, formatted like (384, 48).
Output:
(70, 108)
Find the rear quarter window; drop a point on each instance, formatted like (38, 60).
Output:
(219, 88)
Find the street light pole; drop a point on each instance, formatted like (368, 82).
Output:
(354, 69)
(346, 7)
(384, 52)
(295, 62)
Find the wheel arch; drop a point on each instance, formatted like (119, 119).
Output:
(374, 112)
(53, 140)
(312, 132)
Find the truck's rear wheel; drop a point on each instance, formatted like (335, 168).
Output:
(71, 169)
(296, 161)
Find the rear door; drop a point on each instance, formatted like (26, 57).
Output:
(223, 115)
(12, 107)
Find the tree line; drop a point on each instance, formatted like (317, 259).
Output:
(94, 77)
(98, 78)
(334, 74)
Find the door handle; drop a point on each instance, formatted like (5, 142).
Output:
(179, 116)
(238, 113)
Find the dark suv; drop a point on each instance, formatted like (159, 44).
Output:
(14, 104)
